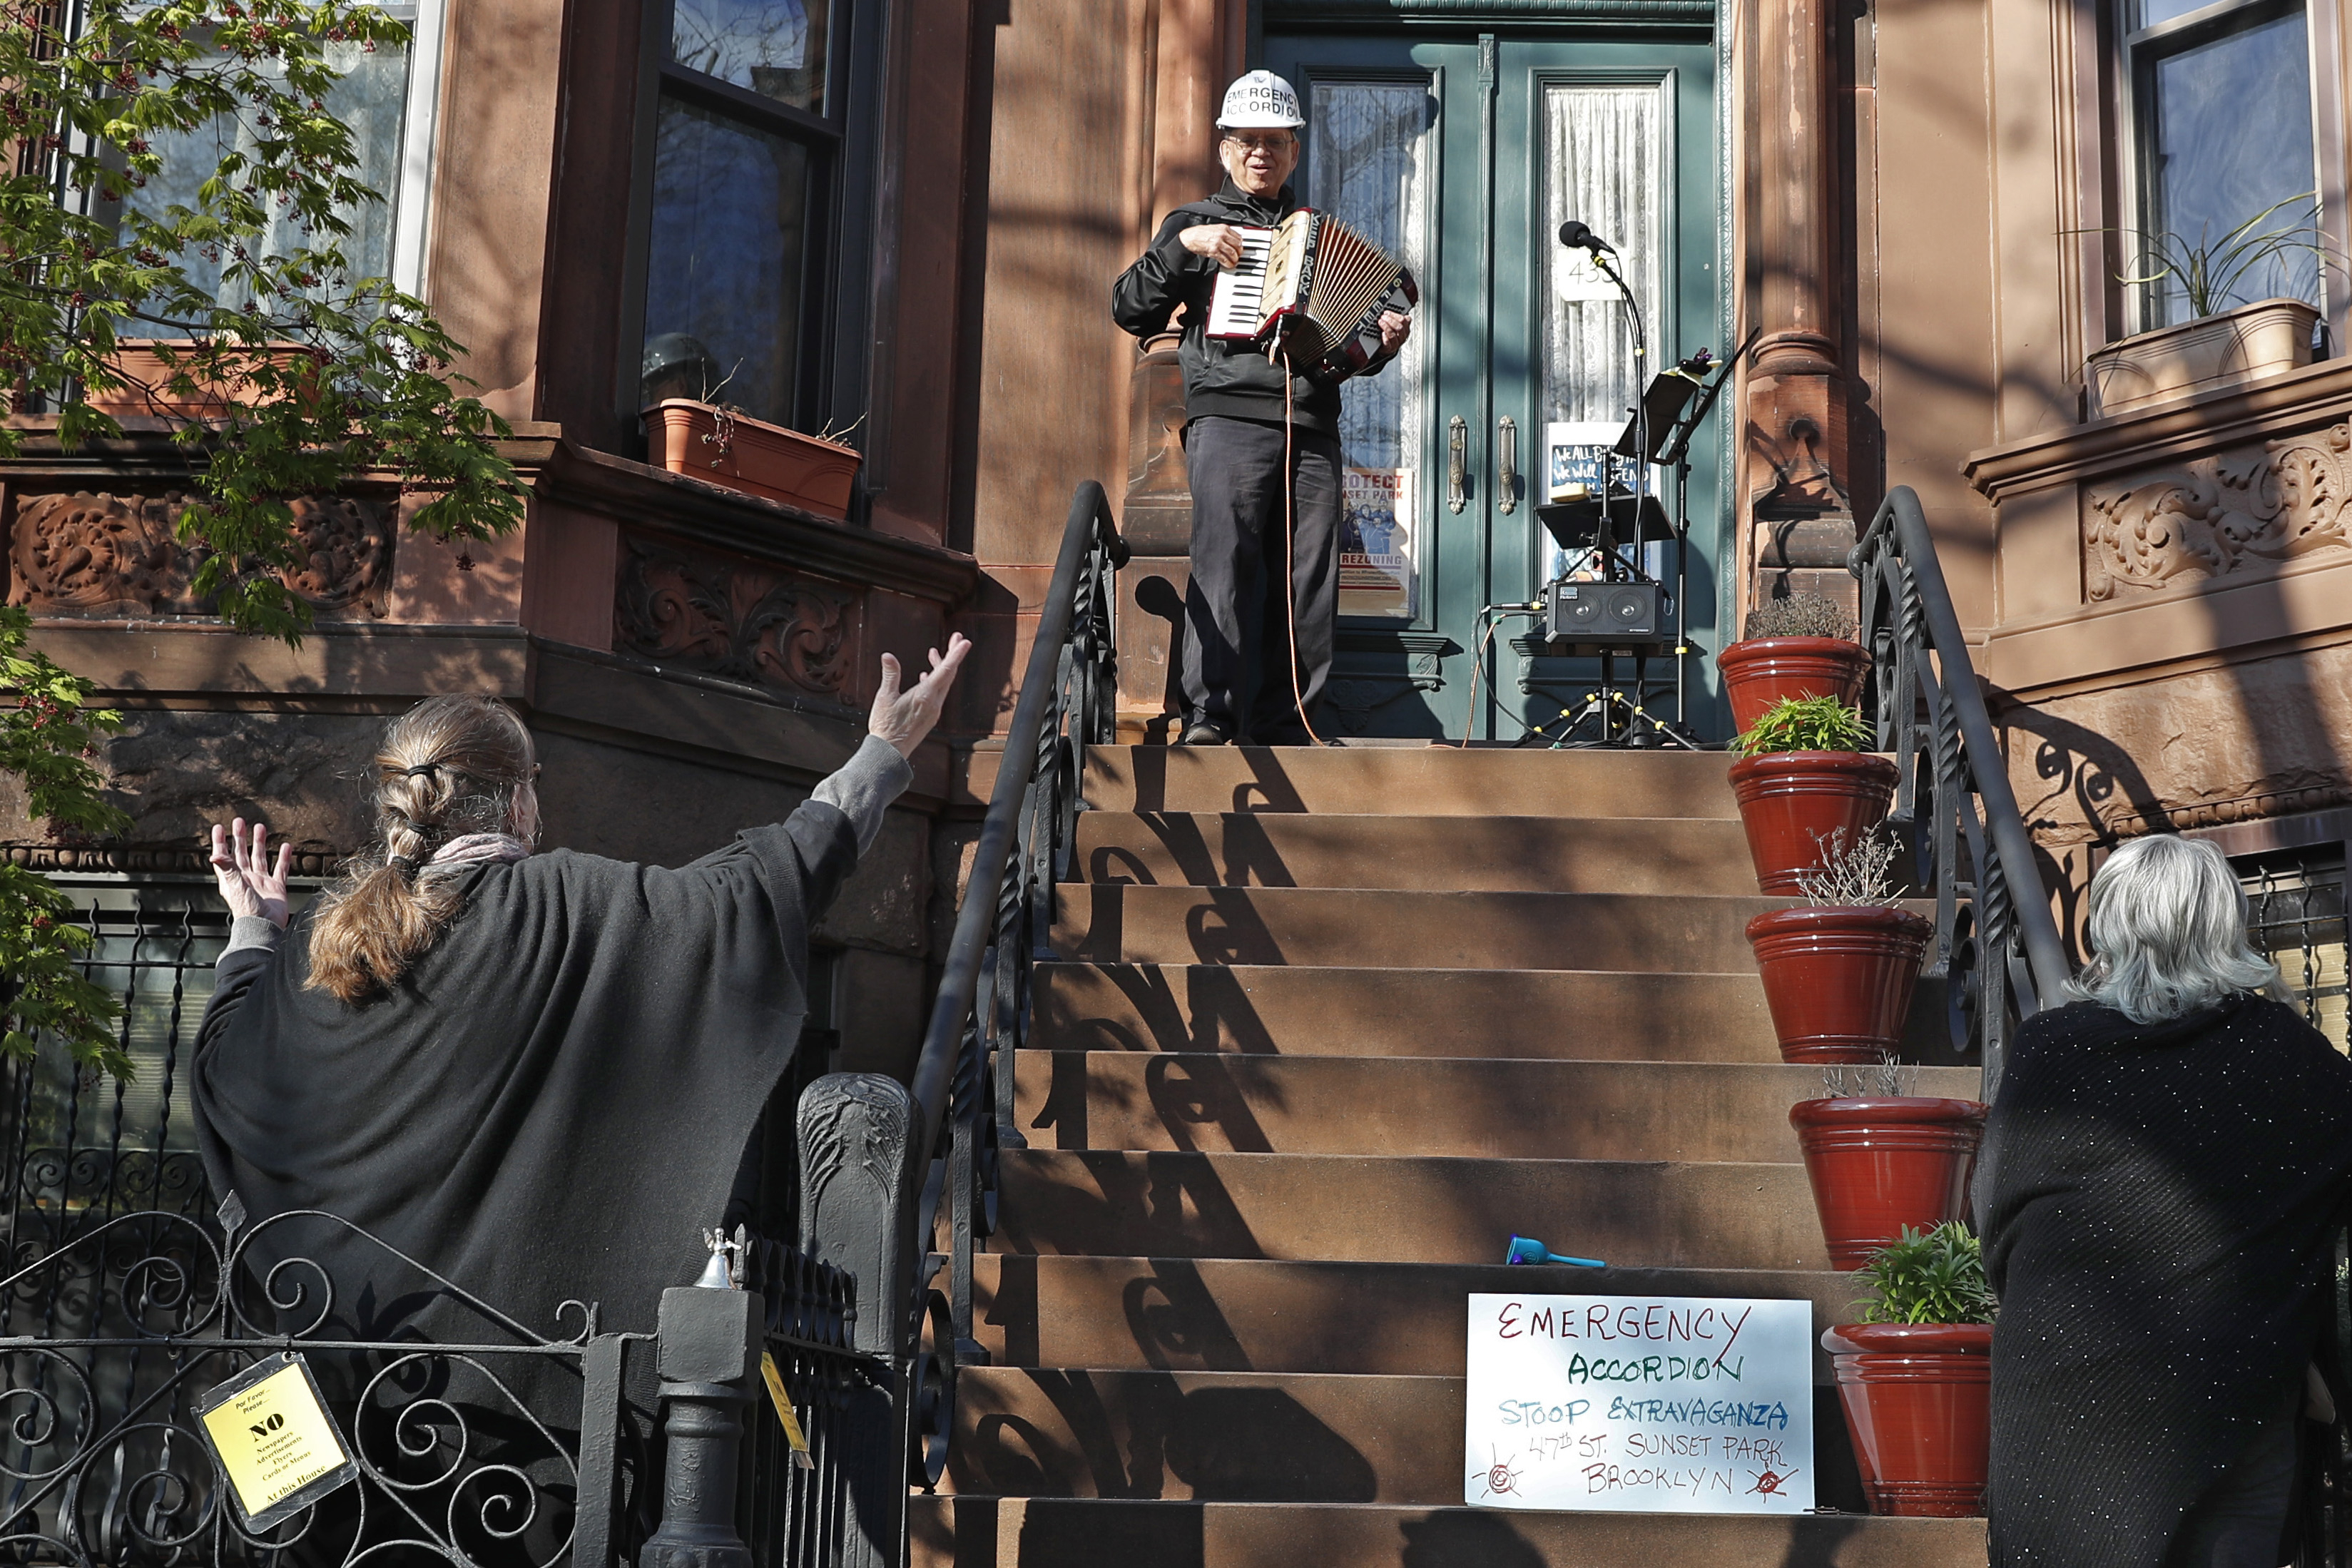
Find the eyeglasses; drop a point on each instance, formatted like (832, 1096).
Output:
(1260, 143)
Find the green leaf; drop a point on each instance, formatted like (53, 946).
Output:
(1808, 724)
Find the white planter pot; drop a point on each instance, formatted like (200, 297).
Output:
(2204, 355)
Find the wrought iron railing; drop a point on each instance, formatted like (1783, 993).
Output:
(887, 1169)
(1996, 950)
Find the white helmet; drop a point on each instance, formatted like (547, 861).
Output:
(1260, 100)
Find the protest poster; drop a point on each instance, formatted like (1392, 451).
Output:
(1640, 1404)
(1377, 550)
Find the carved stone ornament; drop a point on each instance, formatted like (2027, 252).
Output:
(2215, 516)
(734, 619)
(94, 553)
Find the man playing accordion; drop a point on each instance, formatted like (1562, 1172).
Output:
(1245, 414)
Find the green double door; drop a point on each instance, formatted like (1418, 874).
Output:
(1463, 159)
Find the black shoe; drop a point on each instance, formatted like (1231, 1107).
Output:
(1201, 732)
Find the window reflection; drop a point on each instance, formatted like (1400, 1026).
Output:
(730, 235)
(2225, 134)
(775, 47)
(371, 99)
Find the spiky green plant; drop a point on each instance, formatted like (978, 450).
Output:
(1928, 1276)
(1808, 724)
(2209, 271)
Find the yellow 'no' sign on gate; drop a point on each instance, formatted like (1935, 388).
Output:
(274, 1440)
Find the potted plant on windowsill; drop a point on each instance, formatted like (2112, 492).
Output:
(2220, 345)
(714, 442)
(1801, 645)
(1839, 968)
(1914, 1376)
(1804, 781)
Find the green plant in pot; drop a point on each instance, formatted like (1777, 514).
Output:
(1801, 644)
(1915, 1375)
(1806, 778)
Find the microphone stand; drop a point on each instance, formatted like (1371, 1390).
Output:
(1601, 259)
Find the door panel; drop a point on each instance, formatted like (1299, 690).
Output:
(1463, 159)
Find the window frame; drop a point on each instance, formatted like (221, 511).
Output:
(831, 376)
(2141, 303)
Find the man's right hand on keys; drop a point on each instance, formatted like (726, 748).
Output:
(1217, 241)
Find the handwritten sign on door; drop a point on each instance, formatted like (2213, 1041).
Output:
(1640, 1404)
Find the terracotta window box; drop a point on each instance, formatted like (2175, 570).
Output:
(2204, 355)
(140, 362)
(752, 455)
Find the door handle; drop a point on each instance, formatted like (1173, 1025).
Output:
(1506, 465)
(1457, 463)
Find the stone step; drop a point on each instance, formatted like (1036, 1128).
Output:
(1501, 1110)
(1343, 1012)
(1224, 1314)
(1418, 781)
(1488, 853)
(1627, 931)
(1228, 1436)
(1059, 1533)
(1407, 1209)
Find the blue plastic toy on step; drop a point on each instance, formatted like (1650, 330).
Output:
(1528, 1249)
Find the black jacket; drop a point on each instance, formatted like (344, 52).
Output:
(2158, 1205)
(1221, 377)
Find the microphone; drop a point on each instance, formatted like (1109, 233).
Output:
(1576, 236)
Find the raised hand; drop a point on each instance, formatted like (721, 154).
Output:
(904, 718)
(249, 885)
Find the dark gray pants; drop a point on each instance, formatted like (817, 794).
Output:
(1237, 633)
(2240, 1522)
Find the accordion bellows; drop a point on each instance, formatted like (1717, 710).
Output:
(1313, 279)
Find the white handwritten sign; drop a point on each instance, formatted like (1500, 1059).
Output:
(1641, 1404)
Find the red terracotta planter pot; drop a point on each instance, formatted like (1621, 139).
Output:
(1918, 1401)
(1791, 802)
(1879, 1162)
(1762, 670)
(1839, 979)
(752, 455)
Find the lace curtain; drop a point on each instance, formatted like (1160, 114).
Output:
(1369, 151)
(1603, 166)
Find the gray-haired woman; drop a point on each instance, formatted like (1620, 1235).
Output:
(2164, 1166)
(534, 1073)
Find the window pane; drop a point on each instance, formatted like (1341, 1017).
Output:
(370, 99)
(1369, 150)
(1604, 165)
(772, 47)
(729, 232)
(2226, 133)
(2149, 13)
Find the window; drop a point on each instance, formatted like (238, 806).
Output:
(746, 140)
(2296, 918)
(84, 1148)
(387, 98)
(2219, 103)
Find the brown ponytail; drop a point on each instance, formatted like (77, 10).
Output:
(448, 767)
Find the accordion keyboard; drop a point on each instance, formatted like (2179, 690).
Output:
(1234, 309)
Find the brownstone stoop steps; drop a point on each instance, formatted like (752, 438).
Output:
(1325, 1027)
